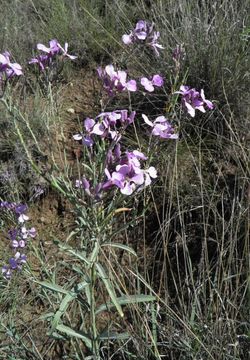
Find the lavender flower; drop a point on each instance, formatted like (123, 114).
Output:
(115, 80)
(42, 61)
(65, 51)
(28, 233)
(18, 236)
(143, 33)
(20, 211)
(106, 125)
(8, 68)
(15, 263)
(161, 127)
(54, 49)
(7, 205)
(92, 191)
(157, 80)
(86, 139)
(128, 175)
(193, 100)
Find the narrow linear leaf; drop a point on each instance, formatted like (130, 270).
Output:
(65, 303)
(53, 287)
(75, 333)
(46, 316)
(61, 311)
(125, 300)
(109, 288)
(57, 336)
(114, 336)
(121, 247)
(77, 254)
(55, 184)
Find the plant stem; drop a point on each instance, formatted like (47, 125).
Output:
(95, 344)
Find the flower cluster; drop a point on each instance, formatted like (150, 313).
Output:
(123, 168)
(115, 80)
(44, 59)
(7, 68)
(107, 125)
(194, 100)
(128, 175)
(143, 33)
(123, 171)
(18, 237)
(10, 69)
(161, 127)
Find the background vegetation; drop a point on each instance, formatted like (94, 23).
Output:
(190, 231)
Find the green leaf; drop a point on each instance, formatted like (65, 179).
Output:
(65, 303)
(114, 336)
(46, 316)
(75, 333)
(57, 336)
(53, 287)
(95, 252)
(61, 311)
(109, 287)
(56, 185)
(77, 254)
(122, 247)
(125, 300)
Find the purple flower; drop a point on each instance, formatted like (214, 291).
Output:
(10, 69)
(65, 51)
(128, 39)
(15, 263)
(154, 44)
(18, 237)
(206, 102)
(113, 155)
(142, 29)
(7, 205)
(157, 80)
(6, 272)
(13, 233)
(143, 33)
(128, 175)
(41, 60)
(28, 232)
(193, 100)
(115, 80)
(16, 244)
(116, 178)
(54, 49)
(86, 139)
(106, 125)
(161, 127)
(93, 192)
(20, 210)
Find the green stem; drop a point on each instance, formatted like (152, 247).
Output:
(95, 344)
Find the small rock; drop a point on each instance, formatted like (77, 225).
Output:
(71, 111)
